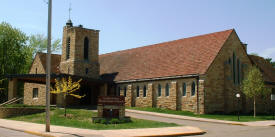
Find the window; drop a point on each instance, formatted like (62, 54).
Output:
(35, 70)
(167, 90)
(87, 70)
(86, 48)
(159, 90)
(193, 89)
(234, 68)
(125, 90)
(118, 91)
(35, 93)
(183, 89)
(238, 72)
(68, 48)
(144, 91)
(137, 91)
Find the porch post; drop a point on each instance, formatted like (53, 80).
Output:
(103, 89)
(12, 88)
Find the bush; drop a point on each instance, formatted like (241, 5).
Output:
(115, 121)
(103, 121)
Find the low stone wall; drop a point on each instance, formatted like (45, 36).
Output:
(9, 112)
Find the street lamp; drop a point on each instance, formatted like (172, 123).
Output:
(238, 97)
(272, 100)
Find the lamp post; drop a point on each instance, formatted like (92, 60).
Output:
(238, 97)
(48, 70)
(272, 100)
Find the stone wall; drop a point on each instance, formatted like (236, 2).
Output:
(28, 94)
(76, 65)
(175, 100)
(9, 112)
(37, 66)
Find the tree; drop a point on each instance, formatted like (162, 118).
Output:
(38, 43)
(13, 54)
(271, 62)
(66, 87)
(253, 85)
(1, 81)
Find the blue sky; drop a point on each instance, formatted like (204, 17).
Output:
(125, 24)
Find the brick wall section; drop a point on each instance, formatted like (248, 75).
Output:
(219, 87)
(28, 94)
(174, 101)
(28, 87)
(37, 65)
(76, 65)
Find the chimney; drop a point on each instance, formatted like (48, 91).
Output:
(245, 46)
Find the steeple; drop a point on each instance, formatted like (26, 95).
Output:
(69, 22)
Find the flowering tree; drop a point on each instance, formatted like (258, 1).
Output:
(66, 87)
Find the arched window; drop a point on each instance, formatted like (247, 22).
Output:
(68, 45)
(159, 90)
(193, 89)
(118, 91)
(183, 89)
(144, 91)
(234, 68)
(137, 91)
(167, 88)
(86, 48)
(125, 90)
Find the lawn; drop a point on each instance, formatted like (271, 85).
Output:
(243, 118)
(81, 118)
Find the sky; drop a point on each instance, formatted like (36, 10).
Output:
(126, 24)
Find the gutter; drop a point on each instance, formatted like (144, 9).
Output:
(159, 78)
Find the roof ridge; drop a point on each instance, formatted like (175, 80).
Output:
(171, 41)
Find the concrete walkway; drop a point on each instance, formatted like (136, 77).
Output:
(254, 123)
(60, 131)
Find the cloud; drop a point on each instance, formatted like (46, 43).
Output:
(268, 53)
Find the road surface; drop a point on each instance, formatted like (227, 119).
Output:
(214, 129)
(12, 133)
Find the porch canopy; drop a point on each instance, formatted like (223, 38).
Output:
(41, 79)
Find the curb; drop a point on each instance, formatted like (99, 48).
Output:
(29, 132)
(173, 135)
(152, 113)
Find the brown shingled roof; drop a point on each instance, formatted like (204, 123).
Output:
(175, 58)
(266, 68)
(55, 61)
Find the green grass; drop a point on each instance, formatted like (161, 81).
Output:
(81, 118)
(243, 118)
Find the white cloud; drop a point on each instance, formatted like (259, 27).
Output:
(269, 52)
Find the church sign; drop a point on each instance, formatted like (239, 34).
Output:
(111, 100)
(111, 107)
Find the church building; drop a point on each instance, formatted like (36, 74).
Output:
(201, 74)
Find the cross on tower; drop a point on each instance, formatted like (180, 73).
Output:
(70, 9)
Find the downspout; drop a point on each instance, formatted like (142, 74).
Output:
(198, 101)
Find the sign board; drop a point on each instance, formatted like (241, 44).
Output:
(272, 96)
(111, 100)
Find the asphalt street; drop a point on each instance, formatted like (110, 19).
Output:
(12, 133)
(214, 129)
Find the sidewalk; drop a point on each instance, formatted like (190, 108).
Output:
(254, 123)
(60, 131)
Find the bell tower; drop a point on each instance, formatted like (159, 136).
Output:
(79, 51)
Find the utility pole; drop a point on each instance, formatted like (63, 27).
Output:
(48, 73)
